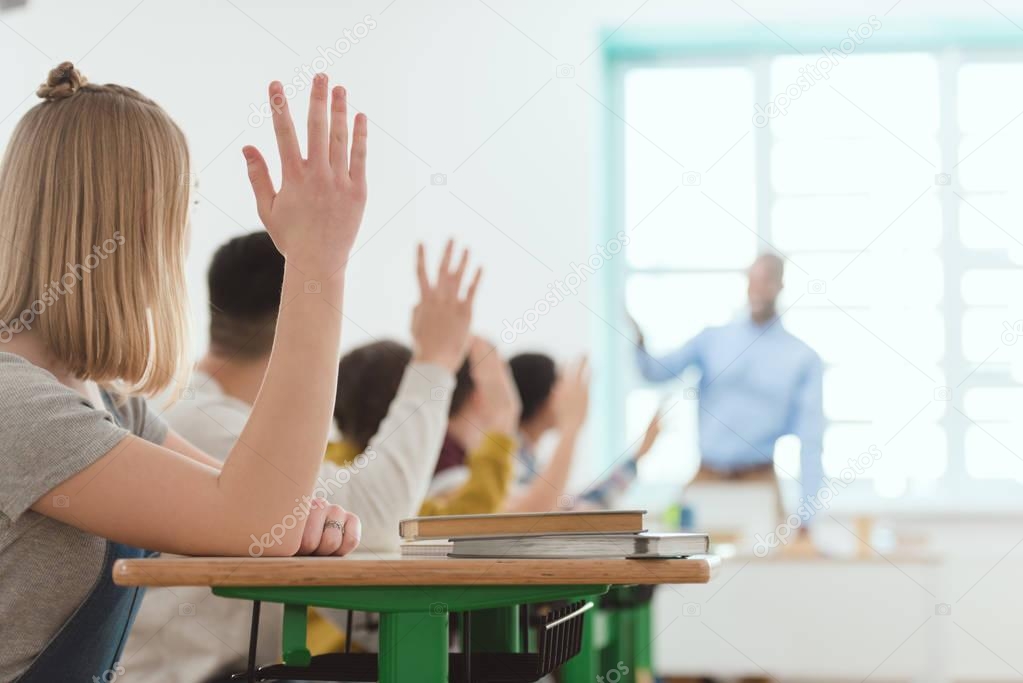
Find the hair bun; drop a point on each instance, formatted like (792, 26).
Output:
(63, 81)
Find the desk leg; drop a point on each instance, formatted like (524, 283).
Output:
(413, 647)
(296, 618)
(583, 668)
(644, 642)
(620, 651)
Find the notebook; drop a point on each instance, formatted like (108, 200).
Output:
(432, 548)
(576, 546)
(454, 526)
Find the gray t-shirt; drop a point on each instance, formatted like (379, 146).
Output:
(49, 433)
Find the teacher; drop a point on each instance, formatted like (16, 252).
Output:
(758, 382)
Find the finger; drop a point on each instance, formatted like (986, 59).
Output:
(284, 130)
(424, 279)
(456, 278)
(470, 296)
(339, 130)
(317, 147)
(313, 527)
(262, 185)
(331, 538)
(352, 535)
(357, 169)
(445, 261)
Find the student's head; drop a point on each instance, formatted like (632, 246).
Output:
(94, 193)
(368, 380)
(245, 280)
(535, 376)
(765, 283)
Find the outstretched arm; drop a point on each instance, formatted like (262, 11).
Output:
(606, 492)
(667, 367)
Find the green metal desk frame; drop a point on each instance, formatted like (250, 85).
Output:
(414, 622)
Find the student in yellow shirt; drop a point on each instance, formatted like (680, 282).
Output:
(484, 405)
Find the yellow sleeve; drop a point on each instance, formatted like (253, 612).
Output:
(340, 453)
(490, 474)
(322, 637)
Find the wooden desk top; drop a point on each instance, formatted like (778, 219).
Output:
(397, 571)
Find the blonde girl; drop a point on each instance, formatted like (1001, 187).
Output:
(93, 231)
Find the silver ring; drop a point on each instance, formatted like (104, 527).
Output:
(334, 524)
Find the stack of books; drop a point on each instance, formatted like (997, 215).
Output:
(549, 535)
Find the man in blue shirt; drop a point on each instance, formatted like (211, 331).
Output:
(758, 383)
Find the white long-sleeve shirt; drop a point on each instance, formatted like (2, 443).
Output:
(183, 635)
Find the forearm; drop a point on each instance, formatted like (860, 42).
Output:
(390, 479)
(606, 492)
(278, 454)
(542, 494)
(655, 369)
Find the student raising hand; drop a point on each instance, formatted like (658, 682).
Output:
(440, 321)
(88, 476)
(315, 216)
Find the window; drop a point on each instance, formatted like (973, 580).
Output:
(892, 188)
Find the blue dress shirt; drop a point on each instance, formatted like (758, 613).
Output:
(758, 383)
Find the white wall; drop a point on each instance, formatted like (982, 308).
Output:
(438, 80)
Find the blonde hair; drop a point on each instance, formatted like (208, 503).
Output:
(94, 195)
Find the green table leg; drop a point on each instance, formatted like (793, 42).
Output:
(644, 646)
(496, 630)
(611, 653)
(625, 642)
(296, 618)
(584, 667)
(413, 647)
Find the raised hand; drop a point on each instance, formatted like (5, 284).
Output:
(440, 321)
(571, 396)
(315, 216)
(653, 430)
(501, 405)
